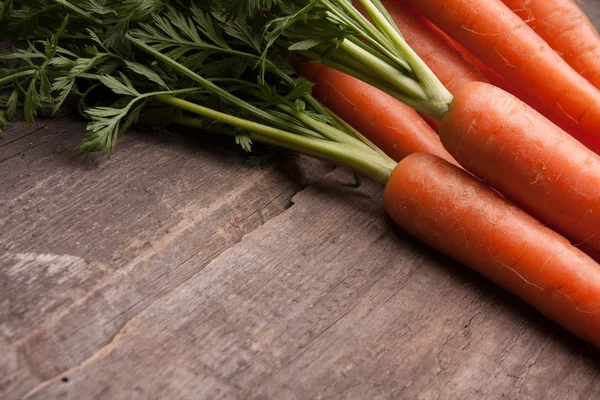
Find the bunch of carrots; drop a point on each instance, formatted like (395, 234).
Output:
(491, 109)
(519, 121)
(476, 48)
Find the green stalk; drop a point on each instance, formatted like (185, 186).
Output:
(292, 120)
(366, 30)
(384, 70)
(336, 56)
(18, 75)
(434, 109)
(430, 83)
(328, 131)
(420, 90)
(355, 40)
(79, 11)
(359, 135)
(387, 16)
(358, 159)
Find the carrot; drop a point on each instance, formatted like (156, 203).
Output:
(566, 28)
(455, 213)
(392, 126)
(499, 38)
(494, 78)
(554, 177)
(432, 122)
(527, 158)
(455, 66)
(591, 142)
(590, 252)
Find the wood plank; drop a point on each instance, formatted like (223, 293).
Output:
(328, 300)
(89, 242)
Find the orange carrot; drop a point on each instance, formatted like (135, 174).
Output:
(591, 142)
(527, 158)
(455, 66)
(455, 213)
(498, 37)
(566, 28)
(392, 126)
(552, 175)
(453, 60)
(565, 209)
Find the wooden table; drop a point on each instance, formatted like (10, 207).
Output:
(169, 270)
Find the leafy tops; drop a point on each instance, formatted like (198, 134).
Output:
(158, 62)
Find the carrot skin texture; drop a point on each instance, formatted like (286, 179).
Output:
(494, 34)
(458, 215)
(524, 156)
(432, 122)
(395, 128)
(591, 142)
(566, 28)
(590, 252)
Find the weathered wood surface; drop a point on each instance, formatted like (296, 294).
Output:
(171, 271)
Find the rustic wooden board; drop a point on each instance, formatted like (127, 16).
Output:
(171, 271)
(327, 300)
(89, 242)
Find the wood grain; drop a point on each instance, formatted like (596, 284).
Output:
(337, 303)
(87, 243)
(169, 270)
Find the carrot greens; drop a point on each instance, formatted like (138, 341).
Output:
(208, 63)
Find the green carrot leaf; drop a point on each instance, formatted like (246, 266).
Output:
(244, 141)
(32, 102)
(237, 9)
(11, 104)
(242, 30)
(306, 44)
(122, 86)
(277, 26)
(207, 26)
(133, 116)
(147, 72)
(301, 88)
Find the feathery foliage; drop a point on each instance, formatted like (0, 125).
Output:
(158, 62)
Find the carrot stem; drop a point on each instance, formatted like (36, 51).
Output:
(369, 32)
(361, 160)
(354, 132)
(386, 71)
(430, 83)
(327, 131)
(434, 109)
